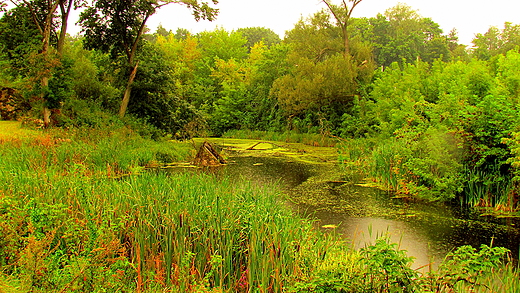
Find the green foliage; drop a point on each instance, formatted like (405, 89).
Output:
(222, 45)
(465, 268)
(486, 125)
(380, 267)
(115, 26)
(19, 37)
(256, 35)
(60, 84)
(271, 66)
(507, 80)
(495, 41)
(388, 268)
(514, 161)
(402, 35)
(315, 85)
(383, 267)
(154, 99)
(325, 76)
(231, 108)
(441, 132)
(91, 77)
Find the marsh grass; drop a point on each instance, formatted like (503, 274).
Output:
(75, 225)
(354, 156)
(391, 165)
(489, 190)
(381, 163)
(68, 223)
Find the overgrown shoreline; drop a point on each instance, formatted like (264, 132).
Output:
(67, 224)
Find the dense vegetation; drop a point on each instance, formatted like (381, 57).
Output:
(430, 117)
(74, 218)
(408, 106)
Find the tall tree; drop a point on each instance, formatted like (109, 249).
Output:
(255, 35)
(496, 41)
(402, 35)
(44, 14)
(19, 36)
(342, 13)
(324, 80)
(118, 27)
(65, 7)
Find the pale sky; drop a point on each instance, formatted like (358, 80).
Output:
(469, 17)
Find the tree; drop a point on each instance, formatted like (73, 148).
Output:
(43, 15)
(92, 75)
(65, 9)
(315, 86)
(342, 14)
(496, 41)
(182, 33)
(214, 46)
(19, 37)
(255, 35)
(402, 35)
(325, 79)
(222, 44)
(118, 26)
(153, 93)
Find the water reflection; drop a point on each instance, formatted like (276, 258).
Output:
(268, 170)
(364, 231)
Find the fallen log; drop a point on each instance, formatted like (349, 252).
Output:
(208, 156)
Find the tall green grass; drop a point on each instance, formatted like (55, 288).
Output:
(379, 162)
(67, 224)
(488, 189)
(91, 151)
(175, 228)
(75, 226)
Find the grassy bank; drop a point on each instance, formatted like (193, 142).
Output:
(73, 218)
(311, 139)
(431, 171)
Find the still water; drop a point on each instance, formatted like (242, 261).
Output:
(427, 231)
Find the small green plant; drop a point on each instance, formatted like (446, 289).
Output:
(387, 268)
(466, 267)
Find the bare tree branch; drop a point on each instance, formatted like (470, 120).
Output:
(343, 22)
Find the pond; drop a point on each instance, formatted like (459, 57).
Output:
(428, 231)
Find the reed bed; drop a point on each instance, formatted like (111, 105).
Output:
(489, 189)
(76, 226)
(177, 231)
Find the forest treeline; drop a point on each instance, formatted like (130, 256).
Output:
(423, 114)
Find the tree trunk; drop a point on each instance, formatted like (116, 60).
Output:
(65, 12)
(128, 90)
(130, 52)
(346, 40)
(46, 112)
